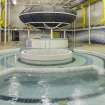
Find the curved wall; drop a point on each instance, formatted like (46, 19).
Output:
(97, 36)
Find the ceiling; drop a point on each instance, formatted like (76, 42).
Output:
(68, 3)
(72, 4)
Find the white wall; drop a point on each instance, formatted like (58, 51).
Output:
(33, 34)
(97, 36)
(15, 11)
(96, 15)
(15, 21)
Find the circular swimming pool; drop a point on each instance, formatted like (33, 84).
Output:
(9, 59)
(73, 88)
(26, 84)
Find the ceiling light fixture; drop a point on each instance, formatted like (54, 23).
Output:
(14, 2)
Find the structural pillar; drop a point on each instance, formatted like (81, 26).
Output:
(0, 25)
(51, 33)
(28, 33)
(64, 34)
(74, 34)
(0, 36)
(5, 28)
(9, 20)
(89, 20)
(103, 20)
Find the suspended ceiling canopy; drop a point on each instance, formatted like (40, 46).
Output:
(71, 4)
(53, 20)
(47, 16)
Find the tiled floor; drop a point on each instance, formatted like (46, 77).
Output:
(83, 46)
(93, 47)
(9, 45)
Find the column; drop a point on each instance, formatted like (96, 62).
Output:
(5, 28)
(28, 33)
(74, 34)
(64, 34)
(89, 20)
(51, 33)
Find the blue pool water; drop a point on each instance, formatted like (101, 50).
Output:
(80, 88)
(72, 88)
(9, 60)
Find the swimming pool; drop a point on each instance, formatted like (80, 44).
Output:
(71, 88)
(73, 83)
(8, 59)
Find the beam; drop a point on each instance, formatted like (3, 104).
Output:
(68, 1)
(78, 5)
(57, 26)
